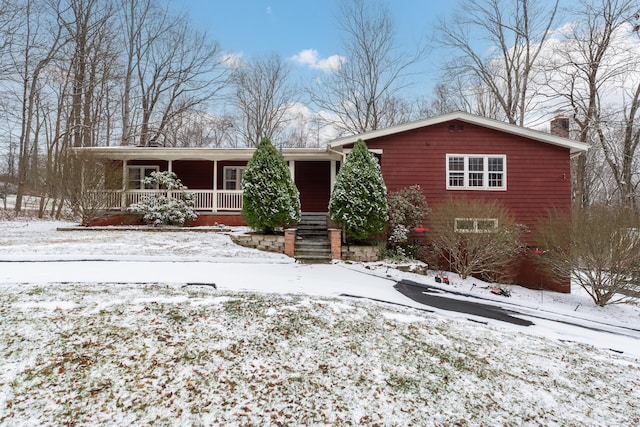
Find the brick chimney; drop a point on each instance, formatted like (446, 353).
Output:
(560, 126)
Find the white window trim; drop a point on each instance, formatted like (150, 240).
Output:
(141, 168)
(475, 225)
(485, 178)
(237, 181)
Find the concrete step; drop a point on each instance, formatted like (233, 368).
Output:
(313, 215)
(313, 242)
(305, 249)
(311, 229)
(312, 239)
(313, 260)
(313, 249)
(315, 253)
(312, 224)
(316, 235)
(315, 219)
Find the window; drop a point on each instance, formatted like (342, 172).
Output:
(233, 177)
(136, 176)
(476, 172)
(476, 225)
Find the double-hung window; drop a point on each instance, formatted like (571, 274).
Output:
(476, 172)
(136, 176)
(233, 177)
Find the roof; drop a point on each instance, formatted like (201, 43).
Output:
(131, 152)
(548, 138)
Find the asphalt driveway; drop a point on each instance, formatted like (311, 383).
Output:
(427, 295)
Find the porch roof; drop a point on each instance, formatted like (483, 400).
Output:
(180, 153)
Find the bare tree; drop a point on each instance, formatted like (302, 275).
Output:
(598, 247)
(477, 238)
(42, 37)
(134, 15)
(83, 186)
(516, 31)
(444, 99)
(178, 69)
(619, 141)
(64, 77)
(77, 104)
(590, 60)
(7, 171)
(199, 129)
(462, 93)
(364, 93)
(9, 11)
(299, 132)
(90, 62)
(261, 97)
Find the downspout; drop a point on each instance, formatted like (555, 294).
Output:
(576, 154)
(340, 153)
(344, 158)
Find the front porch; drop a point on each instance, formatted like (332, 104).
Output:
(206, 200)
(214, 176)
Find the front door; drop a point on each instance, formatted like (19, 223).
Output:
(313, 180)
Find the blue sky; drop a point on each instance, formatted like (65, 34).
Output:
(303, 28)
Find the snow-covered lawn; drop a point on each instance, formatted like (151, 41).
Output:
(122, 338)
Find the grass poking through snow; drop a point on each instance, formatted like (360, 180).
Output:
(156, 355)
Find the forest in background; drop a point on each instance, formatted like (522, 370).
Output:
(82, 73)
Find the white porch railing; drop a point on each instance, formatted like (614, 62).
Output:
(206, 200)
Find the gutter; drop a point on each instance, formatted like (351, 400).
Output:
(340, 153)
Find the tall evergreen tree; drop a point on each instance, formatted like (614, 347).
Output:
(270, 199)
(359, 198)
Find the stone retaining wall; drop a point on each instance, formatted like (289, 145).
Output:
(276, 243)
(360, 253)
(269, 243)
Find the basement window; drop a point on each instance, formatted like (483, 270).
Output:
(476, 225)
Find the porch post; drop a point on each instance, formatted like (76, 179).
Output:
(125, 177)
(292, 169)
(170, 165)
(332, 174)
(214, 202)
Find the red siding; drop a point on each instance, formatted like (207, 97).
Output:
(538, 174)
(195, 174)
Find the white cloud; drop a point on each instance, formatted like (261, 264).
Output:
(233, 60)
(311, 58)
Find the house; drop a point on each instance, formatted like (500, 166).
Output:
(453, 155)
(463, 155)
